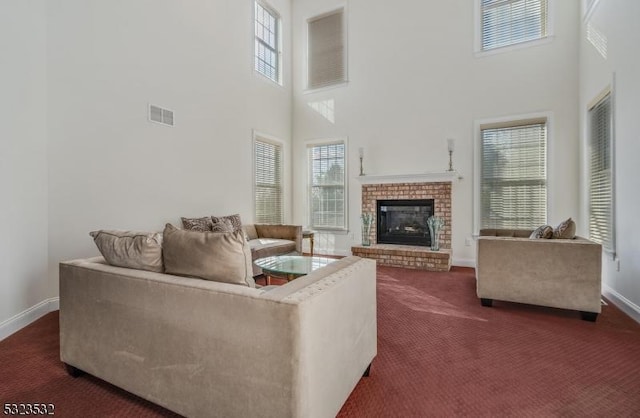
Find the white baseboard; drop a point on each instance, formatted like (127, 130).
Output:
(464, 262)
(622, 303)
(21, 320)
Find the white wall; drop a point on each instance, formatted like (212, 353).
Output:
(617, 21)
(414, 81)
(23, 163)
(111, 168)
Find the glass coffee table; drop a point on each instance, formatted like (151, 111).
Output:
(290, 267)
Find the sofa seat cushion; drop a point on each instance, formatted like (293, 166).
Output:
(221, 257)
(267, 247)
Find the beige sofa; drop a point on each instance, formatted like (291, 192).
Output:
(270, 240)
(560, 273)
(203, 348)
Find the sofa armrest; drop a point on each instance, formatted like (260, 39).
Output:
(290, 232)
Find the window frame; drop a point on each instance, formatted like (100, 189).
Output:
(477, 151)
(278, 41)
(340, 7)
(268, 139)
(479, 52)
(609, 93)
(317, 143)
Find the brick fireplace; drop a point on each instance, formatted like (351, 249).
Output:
(409, 256)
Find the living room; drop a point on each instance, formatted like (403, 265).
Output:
(79, 152)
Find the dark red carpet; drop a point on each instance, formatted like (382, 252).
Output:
(439, 354)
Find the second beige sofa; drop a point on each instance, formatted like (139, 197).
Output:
(560, 273)
(270, 240)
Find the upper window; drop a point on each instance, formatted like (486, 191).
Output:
(267, 49)
(268, 182)
(327, 186)
(513, 174)
(601, 222)
(510, 22)
(327, 59)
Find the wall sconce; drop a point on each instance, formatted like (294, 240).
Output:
(451, 144)
(361, 153)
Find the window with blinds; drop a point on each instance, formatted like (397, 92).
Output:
(513, 179)
(327, 59)
(268, 182)
(601, 222)
(509, 22)
(267, 54)
(327, 186)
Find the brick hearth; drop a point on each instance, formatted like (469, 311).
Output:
(408, 256)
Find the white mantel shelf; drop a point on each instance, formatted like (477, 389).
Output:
(430, 177)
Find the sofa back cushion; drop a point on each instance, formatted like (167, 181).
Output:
(221, 257)
(250, 230)
(513, 233)
(131, 249)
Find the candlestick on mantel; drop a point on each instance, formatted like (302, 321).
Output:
(451, 144)
(361, 153)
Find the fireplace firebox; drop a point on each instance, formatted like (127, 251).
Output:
(404, 221)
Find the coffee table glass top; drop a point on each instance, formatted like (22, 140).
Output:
(293, 264)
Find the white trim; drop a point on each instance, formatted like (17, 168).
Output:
(622, 303)
(477, 140)
(430, 177)
(477, 35)
(24, 318)
(463, 262)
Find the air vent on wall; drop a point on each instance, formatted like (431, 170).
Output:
(160, 115)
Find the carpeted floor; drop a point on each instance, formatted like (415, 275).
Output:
(439, 354)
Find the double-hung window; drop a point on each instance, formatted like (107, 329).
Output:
(601, 213)
(327, 168)
(268, 181)
(267, 41)
(509, 22)
(513, 174)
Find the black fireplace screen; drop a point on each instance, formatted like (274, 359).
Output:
(404, 222)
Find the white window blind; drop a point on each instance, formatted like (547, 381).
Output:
(513, 182)
(601, 223)
(508, 22)
(327, 50)
(268, 182)
(267, 59)
(327, 186)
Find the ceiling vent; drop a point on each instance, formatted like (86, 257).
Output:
(160, 115)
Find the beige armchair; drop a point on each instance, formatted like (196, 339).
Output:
(269, 240)
(560, 273)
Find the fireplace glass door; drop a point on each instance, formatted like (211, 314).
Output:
(404, 222)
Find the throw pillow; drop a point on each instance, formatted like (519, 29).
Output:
(544, 231)
(131, 249)
(197, 224)
(221, 257)
(224, 225)
(565, 230)
(234, 219)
